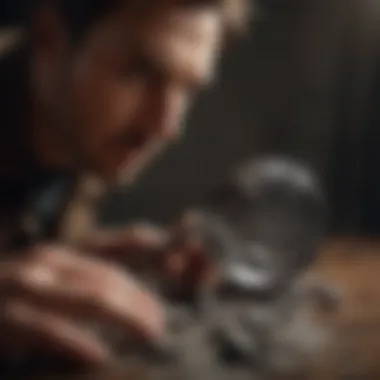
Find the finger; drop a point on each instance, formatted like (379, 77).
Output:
(189, 270)
(186, 235)
(131, 239)
(49, 330)
(92, 289)
(183, 258)
(125, 305)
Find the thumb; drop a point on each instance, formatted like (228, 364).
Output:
(138, 237)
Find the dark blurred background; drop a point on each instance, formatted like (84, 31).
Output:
(306, 82)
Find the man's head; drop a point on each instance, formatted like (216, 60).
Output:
(115, 78)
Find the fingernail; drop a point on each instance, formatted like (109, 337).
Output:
(40, 276)
(154, 235)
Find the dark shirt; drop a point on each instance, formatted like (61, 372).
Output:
(33, 200)
(27, 190)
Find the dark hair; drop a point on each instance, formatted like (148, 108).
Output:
(81, 15)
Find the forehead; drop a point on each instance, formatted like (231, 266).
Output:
(185, 39)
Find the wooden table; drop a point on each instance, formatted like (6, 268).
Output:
(353, 266)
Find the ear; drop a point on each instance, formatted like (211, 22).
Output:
(50, 35)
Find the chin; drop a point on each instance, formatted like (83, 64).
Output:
(128, 173)
(121, 176)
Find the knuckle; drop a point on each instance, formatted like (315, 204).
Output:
(29, 277)
(21, 277)
(98, 298)
(109, 294)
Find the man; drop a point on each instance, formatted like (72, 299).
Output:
(97, 89)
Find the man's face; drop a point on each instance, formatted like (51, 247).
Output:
(122, 95)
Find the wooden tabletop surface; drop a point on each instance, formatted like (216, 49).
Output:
(353, 265)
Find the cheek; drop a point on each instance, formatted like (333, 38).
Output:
(122, 103)
(103, 104)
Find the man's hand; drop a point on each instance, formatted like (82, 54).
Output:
(133, 245)
(175, 255)
(50, 294)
